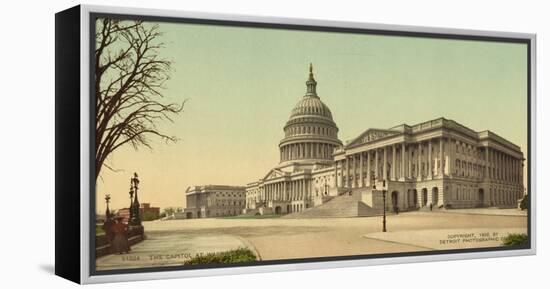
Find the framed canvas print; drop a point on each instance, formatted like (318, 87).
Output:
(192, 144)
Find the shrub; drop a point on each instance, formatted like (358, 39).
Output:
(99, 230)
(233, 256)
(149, 216)
(515, 240)
(524, 203)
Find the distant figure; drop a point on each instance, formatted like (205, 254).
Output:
(396, 209)
(120, 240)
(431, 206)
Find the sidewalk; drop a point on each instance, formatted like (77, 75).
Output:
(443, 239)
(170, 249)
(487, 211)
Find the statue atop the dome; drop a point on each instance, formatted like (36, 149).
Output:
(311, 83)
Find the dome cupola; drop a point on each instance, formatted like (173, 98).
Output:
(310, 133)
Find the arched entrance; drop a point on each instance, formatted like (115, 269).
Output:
(198, 214)
(480, 196)
(435, 196)
(394, 199)
(415, 198)
(278, 210)
(424, 197)
(288, 209)
(189, 215)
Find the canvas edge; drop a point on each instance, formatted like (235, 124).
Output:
(67, 139)
(86, 277)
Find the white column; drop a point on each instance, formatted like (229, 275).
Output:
(403, 161)
(304, 189)
(361, 180)
(354, 174)
(451, 152)
(487, 162)
(394, 163)
(501, 167)
(430, 161)
(376, 165)
(441, 165)
(419, 166)
(336, 174)
(508, 169)
(409, 162)
(492, 173)
(348, 185)
(296, 191)
(385, 164)
(517, 172)
(368, 168)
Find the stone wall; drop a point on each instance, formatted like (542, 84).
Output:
(103, 244)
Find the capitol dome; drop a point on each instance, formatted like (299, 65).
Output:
(310, 133)
(311, 106)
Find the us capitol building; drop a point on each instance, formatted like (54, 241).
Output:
(437, 164)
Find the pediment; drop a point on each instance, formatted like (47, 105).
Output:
(273, 174)
(370, 135)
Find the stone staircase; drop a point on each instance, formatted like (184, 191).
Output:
(342, 206)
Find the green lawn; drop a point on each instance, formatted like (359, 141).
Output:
(515, 240)
(234, 256)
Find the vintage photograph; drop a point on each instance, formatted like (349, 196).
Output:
(222, 144)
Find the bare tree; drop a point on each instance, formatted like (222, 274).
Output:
(129, 77)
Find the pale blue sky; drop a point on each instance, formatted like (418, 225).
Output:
(241, 84)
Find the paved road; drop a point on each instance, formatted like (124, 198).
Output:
(303, 238)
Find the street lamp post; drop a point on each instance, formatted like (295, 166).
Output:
(107, 210)
(384, 207)
(131, 208)
(134, 210)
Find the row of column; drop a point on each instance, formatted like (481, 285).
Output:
(306, 151)
(357, 171)
(287, 191)
(495, 196)
(503, 167)
(301, 130)
(504, 197)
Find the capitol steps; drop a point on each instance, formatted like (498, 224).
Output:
(339, 207)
